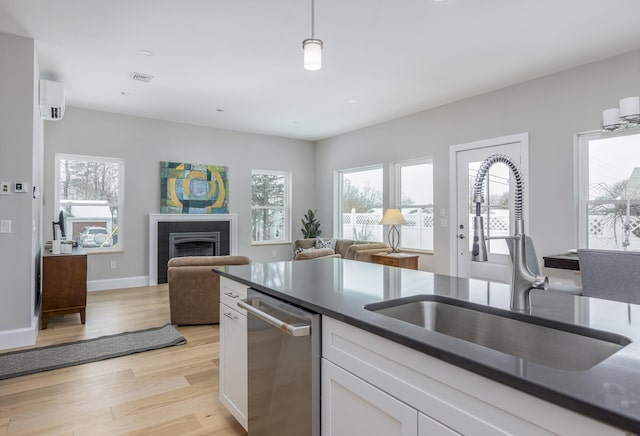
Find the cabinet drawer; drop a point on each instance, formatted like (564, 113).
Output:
(387, 261)
(231, 292)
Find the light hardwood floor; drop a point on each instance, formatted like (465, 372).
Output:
(172, 391)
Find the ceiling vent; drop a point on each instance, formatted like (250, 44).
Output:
(141, 77)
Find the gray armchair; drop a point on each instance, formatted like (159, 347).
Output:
(194, 290)
(609, 274)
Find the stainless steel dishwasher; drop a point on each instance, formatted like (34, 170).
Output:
(283, 347)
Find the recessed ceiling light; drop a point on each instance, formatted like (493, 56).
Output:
(146, 52)
(353, 101)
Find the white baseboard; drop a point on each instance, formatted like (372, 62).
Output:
(26, 336)
(126, 282)
(20, 337)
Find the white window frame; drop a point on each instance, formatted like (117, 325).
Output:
(582, 179)
(286, 206)
(58, 203)
(338, 192)
(396, 200)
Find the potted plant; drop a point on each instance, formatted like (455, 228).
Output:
(310, 225)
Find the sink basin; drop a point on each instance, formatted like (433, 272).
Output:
(539, 340)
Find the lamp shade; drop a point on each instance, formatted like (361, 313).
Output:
(611, 117)
(392, 217)
(312, 54)
(629, 107)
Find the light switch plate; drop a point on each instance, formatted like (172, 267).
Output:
(5, 188)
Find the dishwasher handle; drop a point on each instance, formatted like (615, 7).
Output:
(291, 330)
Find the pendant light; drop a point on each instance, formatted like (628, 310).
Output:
(312, 47)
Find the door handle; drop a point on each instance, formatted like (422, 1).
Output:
(291, 330)
(461, 236)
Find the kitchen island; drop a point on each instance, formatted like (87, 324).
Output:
(608, 392)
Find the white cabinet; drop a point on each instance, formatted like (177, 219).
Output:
(430, 427)
(351, 406)
(444, 398)
(233, 350)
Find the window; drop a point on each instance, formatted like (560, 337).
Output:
(90, 194)
(270, 207)
(609, 190)
(360, 204)
(414, 197)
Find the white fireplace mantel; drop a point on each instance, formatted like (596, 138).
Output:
(155, 218)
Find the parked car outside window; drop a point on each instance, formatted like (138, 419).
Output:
(94, 237)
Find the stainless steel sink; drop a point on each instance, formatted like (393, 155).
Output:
(546, 342)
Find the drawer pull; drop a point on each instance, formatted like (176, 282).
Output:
(230, 315)
(232, 295)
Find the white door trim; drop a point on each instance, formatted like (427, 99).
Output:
(523, 139)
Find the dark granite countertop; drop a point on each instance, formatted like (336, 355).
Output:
(609, 391)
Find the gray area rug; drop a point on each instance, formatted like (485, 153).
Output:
(18, 363)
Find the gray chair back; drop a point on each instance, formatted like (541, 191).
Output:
(612, 275)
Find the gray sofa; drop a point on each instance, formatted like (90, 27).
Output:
(345, 248)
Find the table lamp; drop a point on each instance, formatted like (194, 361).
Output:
(393, 217)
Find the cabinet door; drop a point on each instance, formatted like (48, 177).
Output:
(430, 427)
(233, 363)
(351, 406)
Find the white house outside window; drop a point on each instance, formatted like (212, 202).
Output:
(359, 201)
(414, 197)
(90, 193)
(270, 207)
(609, 190)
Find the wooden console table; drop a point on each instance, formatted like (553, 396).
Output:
(402, 260)
(64, 284)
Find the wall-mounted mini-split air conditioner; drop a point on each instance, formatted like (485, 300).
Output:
(51, 100)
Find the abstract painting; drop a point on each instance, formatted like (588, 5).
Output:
(193, 188)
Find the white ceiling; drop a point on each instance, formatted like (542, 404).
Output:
(394, 57)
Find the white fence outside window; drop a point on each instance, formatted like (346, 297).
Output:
(418, 232)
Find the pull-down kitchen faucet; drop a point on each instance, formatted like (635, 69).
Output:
(523, 280)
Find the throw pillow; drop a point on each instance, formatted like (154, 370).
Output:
(326, 243)
(302, 250)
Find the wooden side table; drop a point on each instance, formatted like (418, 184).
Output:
(64, 284)
(401, 260)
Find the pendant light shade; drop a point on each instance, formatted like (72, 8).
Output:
(312, 47)
(312, 54)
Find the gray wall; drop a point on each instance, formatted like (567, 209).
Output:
(551, 109)
(21, 145)
(143, 143)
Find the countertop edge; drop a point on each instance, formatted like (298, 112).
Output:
(539, 391)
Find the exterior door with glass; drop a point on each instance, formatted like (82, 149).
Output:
(497, 208)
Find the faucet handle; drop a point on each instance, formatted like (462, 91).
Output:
(540, 282)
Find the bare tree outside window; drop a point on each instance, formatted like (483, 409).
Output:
(269, 206)
(610, 191)
(89, 191)
(361, 204)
